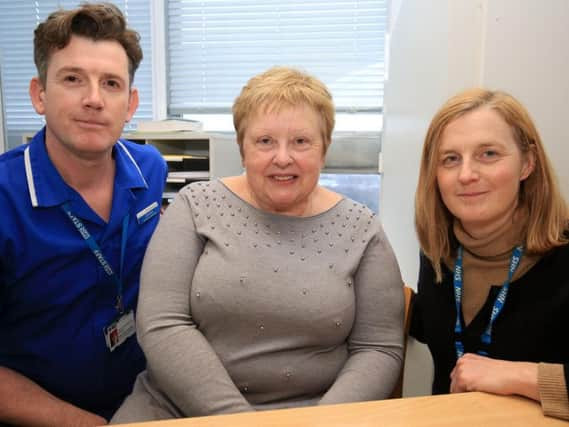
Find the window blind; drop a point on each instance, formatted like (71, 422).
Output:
(215, 46)
(18, 19)
(2, 125)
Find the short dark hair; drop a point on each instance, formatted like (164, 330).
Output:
(95, 21)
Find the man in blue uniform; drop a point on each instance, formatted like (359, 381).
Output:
(78, 206)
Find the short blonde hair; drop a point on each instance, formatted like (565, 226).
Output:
(281, 87)
(548, 212)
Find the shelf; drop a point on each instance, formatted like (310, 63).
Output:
(186, 153)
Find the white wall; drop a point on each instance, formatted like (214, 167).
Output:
(440, 47)
(527, 54)
(434, 52)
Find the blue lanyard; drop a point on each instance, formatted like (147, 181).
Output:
(486, 336)
(98, 253)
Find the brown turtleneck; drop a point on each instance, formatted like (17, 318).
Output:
(485, 264)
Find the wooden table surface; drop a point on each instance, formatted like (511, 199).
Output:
(456, 410)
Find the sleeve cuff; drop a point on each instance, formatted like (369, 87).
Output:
(553, 390)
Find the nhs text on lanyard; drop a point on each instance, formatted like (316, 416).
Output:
(486, 337)
(118, 331)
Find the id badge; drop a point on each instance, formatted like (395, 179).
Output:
(120, 330)
(147, 213)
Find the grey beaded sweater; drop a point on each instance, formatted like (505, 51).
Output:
(241, 309)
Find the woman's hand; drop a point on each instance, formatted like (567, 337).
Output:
(478, 373)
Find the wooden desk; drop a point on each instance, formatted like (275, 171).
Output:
(462, 410)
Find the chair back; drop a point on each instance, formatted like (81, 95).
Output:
(409, 294)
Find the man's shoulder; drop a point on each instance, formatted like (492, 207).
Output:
(14, 158)
(12, 163)
(145, 156)
(141, 151)
(146, 159)
(12, 155)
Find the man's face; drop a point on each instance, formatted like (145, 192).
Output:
(86, 98)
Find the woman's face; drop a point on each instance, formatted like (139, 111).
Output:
(479, 171)
(283, 153)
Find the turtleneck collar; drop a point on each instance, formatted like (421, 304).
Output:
(486, 261)
(497, 245)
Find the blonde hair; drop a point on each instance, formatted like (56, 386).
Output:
(548, 212)
(281, 87)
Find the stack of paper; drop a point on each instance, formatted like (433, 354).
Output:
(169, 125)
(182, 157)
(187, 176)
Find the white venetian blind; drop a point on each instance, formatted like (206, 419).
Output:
(18, 19)
(215, 46)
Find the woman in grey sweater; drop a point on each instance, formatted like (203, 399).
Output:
(265, 290)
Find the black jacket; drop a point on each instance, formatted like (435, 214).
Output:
(532, 326)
